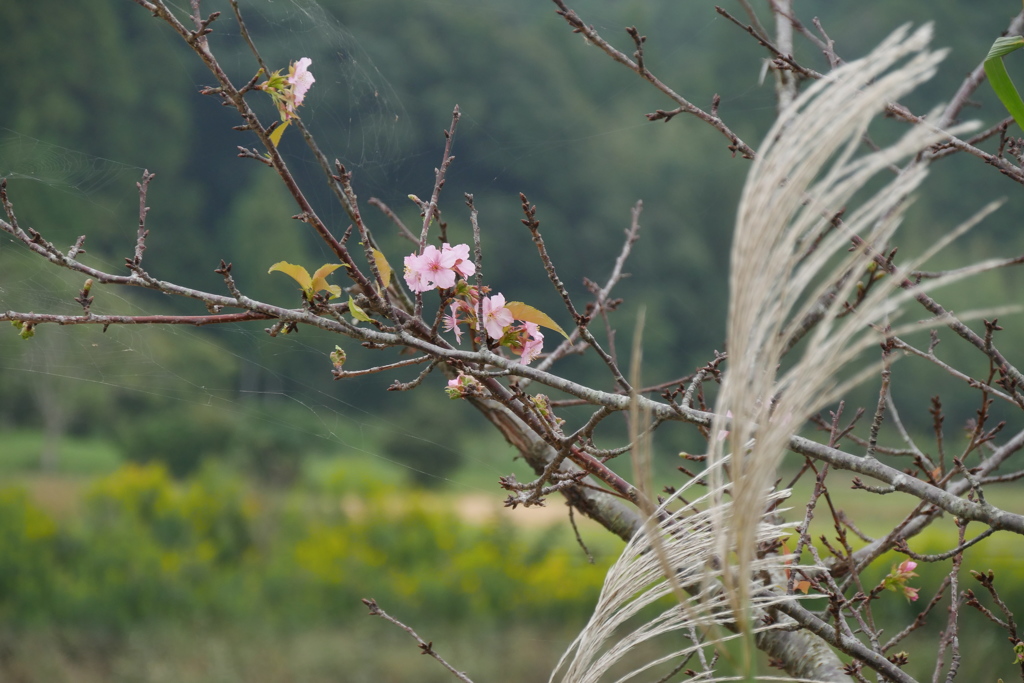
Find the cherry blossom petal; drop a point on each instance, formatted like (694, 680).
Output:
(532, 346)
(416, 274)
(463, 266)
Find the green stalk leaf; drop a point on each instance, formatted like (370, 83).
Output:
(1000, 79)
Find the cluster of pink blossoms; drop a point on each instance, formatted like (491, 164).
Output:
(437, 268)
(896, 580)
(441, 269)
(524, 338)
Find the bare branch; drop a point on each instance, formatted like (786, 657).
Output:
(592, 36)
(427, 648)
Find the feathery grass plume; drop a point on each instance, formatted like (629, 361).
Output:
(807, 170)
(637, 590)
(787, 263)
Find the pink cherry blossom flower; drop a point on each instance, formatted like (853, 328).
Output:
(437, 266)
(288, 92)
(529, 343)
(451, 322)
(907, 567)
(432, 268)
(463, 266)
(416, 274)
(496, 316)
(301, 79)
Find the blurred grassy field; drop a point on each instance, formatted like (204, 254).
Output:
(20, 449)
(489, 647)
(473, 492)
(372, 652)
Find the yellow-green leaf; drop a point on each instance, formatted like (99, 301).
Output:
(999, 79)
(383, 267)
(334, 290)
(25, 330)
(320, 277)
(275, 136)
(357, 313)
(521, 311)
(297, 273)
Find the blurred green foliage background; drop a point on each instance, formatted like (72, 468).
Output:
(543, 113)
(224, 453)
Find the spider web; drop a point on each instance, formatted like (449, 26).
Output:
(362, 119)
(61, 367)
(358, 118)
(24, 158)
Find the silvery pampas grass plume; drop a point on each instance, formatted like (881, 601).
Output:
(637, 581)
(810, 166)
(806, 172)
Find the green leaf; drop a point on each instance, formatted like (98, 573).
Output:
(357, 313)
(524, 312)
(1000, 79)
(1004, 46)
(275, 136)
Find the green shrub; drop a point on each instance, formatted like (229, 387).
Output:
(400, 550)
(27, 537)
(147, 548)
(353, 475)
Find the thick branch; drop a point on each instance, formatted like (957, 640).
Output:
(844, 643)
(900, 481)
(196, 320)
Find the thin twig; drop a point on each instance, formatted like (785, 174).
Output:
(140, 241)
(425, 647)
(386, 210)
(593, 37)
(533, 224)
